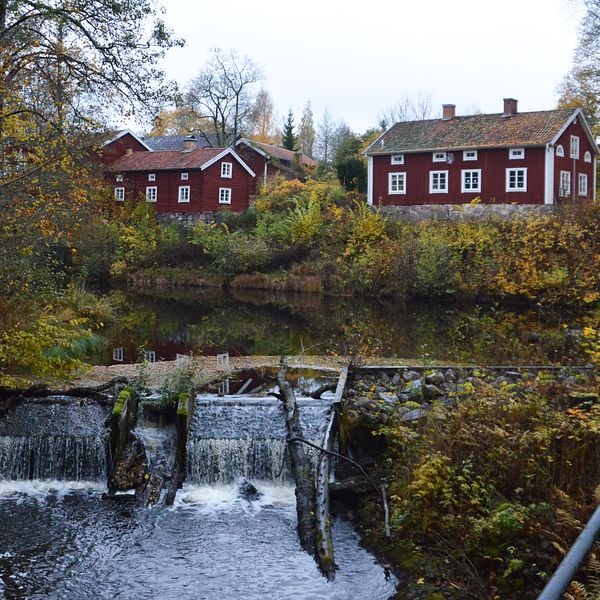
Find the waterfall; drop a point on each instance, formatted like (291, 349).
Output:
(65, 440)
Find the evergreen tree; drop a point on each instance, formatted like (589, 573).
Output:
(289, 139)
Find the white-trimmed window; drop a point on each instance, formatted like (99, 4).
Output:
(184, 194)
(151, 193)
(471, 181)
(151, 177)
(397, 159)
(184, 176)
(583, 188)
(560, 151)
(574, 153)
(438, 182)
(397, 183)
(119, 194)
(469, 155)
(224, 195)
(587, 157)
(118, 354)
(119, 178)
(565, 184)
(516, 180)
(226, 169)
(149, 356)
(516, 153)
(439, 157)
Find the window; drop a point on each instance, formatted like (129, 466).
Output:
(583, 190)
(226, 169)
(224, 195)
(151, 177)
(118, 354)
(587, 157)
(151, 193)
(516, 180)
(516, 153)
(149, 356)
(438, 182)
(471, 181)
(565, 184)
(560, 151)
(574, 147)
(184, 177)
(184, 193)
(397, 159)
(397, 183)
(119, 178)
(469, 155)
(119, 194)
(439, 157)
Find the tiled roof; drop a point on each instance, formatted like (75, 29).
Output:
(165, 161)
(284, 153)
(475, 131)
(165, 143)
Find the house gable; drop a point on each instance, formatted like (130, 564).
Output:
(125, 142)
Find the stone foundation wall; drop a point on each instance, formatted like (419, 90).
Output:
(186, 220)
(464, 212)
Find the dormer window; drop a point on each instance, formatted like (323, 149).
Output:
(560, 151)
(226, 169)
(439, 157)
(151, 177)
(397, 159)
(469, 155)
(516, 153)
(587, 157)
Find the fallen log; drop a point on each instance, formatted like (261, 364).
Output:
(328, 387)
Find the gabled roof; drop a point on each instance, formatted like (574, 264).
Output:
(166, 143)
(475, 131)
(120, 134)
(201, 158)
(277, 152)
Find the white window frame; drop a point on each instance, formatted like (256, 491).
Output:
(183, 196)
(119, 194)
(516, 153)
(397, 159)
(582, 183)
(587, 157)
(119, 178)
(151, 176)
(463, 183)
(224, 195)
(226, 170)
(516, 188)
(574, 147)
(150, 356)
(437, 174)
(399, 185)
(118, 354)
(151, 193)
(185, 176)
(560, 151)
(439, 157)
(469, 155)
(564, 184)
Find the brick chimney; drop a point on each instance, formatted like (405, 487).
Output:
(448, 111)
(190, 143)
(510, 107)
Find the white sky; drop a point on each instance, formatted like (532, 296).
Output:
(357, 58)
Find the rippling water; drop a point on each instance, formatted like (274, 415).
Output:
(61, 540)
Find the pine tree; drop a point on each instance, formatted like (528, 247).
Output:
(289, 139)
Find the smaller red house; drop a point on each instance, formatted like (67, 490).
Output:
(193, 180)
(542, 157)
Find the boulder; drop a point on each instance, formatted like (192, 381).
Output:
(411, 376)
(432, 391)
(436, 378)
(414, 390)
(248, 491)
(413, 415)
(397, 379)
(388, 397)
(450, 376)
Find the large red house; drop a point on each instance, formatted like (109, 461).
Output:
(542, 157)
(192, 180)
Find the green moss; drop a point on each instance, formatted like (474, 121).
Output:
(123, 396)
(182, 406)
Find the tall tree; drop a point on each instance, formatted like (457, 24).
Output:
(222, 96)
(262, 119)
(407, 108)
(325, 135)
(306, 131)
(288, 139)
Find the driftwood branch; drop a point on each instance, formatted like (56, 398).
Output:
(328, 387)
(41, 391)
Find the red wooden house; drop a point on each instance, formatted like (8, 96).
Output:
(193, 180)
(542, 157)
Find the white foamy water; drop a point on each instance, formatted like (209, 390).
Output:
(40, 488)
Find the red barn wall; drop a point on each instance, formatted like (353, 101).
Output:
(255, 161)
(118, 148)
(240, 184)
(493, 164)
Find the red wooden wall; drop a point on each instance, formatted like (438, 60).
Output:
(118, 148)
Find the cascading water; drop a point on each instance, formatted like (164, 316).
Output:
(246, 437)
(64, 440)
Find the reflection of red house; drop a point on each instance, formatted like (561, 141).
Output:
(193, 180)
(539, 157)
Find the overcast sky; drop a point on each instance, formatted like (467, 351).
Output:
(357, 58)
